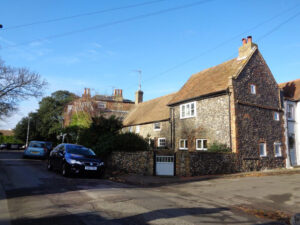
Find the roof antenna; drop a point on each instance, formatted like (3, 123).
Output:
(140, 78)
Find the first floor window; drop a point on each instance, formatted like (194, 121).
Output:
(161, 142)
(201, 144)
(276, 116)
(183, 144)
(290, 111)
(253, 89)
(137, 129)
(157, 126)
(262, 149)
(277, 148)
(188, 110)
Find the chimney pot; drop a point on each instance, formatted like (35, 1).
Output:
(249, 39)
(244, 41)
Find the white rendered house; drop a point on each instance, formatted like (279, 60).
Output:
(291, 92)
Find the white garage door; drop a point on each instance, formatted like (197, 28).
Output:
(165, 165)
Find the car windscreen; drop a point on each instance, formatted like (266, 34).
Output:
(79, 150)
(37, 145)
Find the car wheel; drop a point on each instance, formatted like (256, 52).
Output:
(49, 166)
(65, 171)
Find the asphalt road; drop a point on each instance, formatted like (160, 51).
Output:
(29, 194)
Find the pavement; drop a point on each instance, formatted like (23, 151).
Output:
(153, 181)
(31, 195)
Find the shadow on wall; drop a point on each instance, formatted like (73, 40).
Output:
(289, 90)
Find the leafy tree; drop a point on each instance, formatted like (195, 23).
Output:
(34, 124)
(100, 126)
(46, 123)
(17, 84)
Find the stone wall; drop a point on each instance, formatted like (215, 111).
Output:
(255, 116)
(203, 163)
(212, 122)
(132, 162)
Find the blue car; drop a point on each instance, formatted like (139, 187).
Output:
(37, 149)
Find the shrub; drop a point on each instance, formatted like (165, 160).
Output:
(218, 147)
(127, 142)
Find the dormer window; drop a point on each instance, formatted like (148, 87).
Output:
(253, 89)
(188, 110)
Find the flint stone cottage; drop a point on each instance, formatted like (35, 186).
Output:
(236, 103)
(105, 105)
(291, 93)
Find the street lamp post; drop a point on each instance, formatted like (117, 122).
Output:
(27, 131)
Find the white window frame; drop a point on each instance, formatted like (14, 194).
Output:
(156, 129)
(101, 105)
(185, 144)
(137, 129)
(276, 116)
(265, 149)
(159, 144)
(253, 89)
(185, 110)
(130, 129)
(201, 148)
(280, 151)
(290, 111)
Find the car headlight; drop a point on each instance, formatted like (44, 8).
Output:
(74, 161)
(101, 164)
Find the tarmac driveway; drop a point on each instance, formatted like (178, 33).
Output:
(32, 195)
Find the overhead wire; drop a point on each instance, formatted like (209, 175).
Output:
(142, 16)
(81, 15)
(233, 38)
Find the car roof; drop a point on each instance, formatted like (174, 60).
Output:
(38, 141)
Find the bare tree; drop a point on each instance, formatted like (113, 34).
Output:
(17, 84)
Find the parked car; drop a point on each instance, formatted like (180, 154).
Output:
(36, 149)
(3, 146)
(75, 159)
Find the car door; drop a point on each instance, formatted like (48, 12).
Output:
(60, 156)
(53, 157)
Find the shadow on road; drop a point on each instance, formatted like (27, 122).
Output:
(206, 216)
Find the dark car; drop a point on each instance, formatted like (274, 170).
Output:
(4, 146)
(75, 159)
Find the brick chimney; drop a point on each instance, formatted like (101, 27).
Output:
(139, 97)
(84, 93)
(247, 48)
(118, 95)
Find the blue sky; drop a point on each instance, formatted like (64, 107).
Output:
(105, 57)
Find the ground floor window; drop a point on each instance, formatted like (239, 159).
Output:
(277, 149)
(201, 144)
(262, 149)
(183, 144)
(161, 142)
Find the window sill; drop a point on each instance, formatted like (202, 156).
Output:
(263, 156)
(156, 129)
(182, 118)
(184, 149)
(201, 149)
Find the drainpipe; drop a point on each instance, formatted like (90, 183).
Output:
(229, 105)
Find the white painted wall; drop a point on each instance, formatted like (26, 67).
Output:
(293, 127)
(297, 131)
